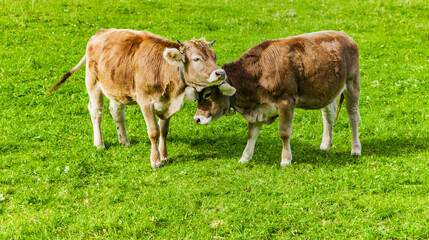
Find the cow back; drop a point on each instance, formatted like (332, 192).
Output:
(129, 63)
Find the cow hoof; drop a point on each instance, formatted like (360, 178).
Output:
(355, 154)
(126, 144)
(285, 163)
(244, 160)
(165, 160)
(356, 151)
(156, 165)
(325, 147)
(100, 147)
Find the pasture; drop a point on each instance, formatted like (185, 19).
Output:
(54, 184)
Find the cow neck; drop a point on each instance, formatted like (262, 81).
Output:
(232, 102)
(231, 98)
(182, 76)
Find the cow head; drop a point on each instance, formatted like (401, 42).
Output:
(198, 63)
(213, 103)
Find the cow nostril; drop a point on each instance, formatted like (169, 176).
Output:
(197, 120)
(220, 74)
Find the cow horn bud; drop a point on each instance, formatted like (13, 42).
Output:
(181, 44)
(211, 43)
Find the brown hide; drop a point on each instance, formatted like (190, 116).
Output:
(310, 68)
(130, 64)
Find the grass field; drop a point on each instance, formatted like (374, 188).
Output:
(54, 184)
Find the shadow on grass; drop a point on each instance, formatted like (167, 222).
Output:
(268, 149)
(226, 142)
(395, 146)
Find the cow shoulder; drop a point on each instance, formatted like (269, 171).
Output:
(278, 76)
(155, 74)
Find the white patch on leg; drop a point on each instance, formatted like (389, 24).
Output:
(253, 133)
(117, 111)
(354, 119)
(249, 150)
(328, 115)
(96, 115)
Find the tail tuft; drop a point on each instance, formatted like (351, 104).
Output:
(339, 106)
(62, 80)
(68, 74)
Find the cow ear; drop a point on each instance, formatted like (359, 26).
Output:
(227, 89)
(191, 94)
(174, 57)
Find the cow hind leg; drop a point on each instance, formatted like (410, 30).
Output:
(164, 126)
(352, 101)
(118, 113)
(153, 132)
(95, 107)
(253, 132)
(328, 115)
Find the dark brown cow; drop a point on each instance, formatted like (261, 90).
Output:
(308, 71)
(137, 67)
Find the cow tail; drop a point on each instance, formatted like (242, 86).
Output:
(68, 74)
(339, 106)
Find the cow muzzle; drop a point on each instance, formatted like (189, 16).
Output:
(201, 120)
(217, 76)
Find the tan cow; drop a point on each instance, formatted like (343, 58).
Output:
(308, 71)
(138, 67)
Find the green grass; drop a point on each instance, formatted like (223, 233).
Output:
(54, 184)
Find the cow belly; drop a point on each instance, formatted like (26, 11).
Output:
(312, 102)
(116, 96)
(264, 113)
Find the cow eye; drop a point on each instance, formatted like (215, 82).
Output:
(197, 59)
(207, 95)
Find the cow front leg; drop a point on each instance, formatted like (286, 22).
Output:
(164, 126)
(252, 132)
(285, 110)
(118, 113)
(153, 132)
(328, 115)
